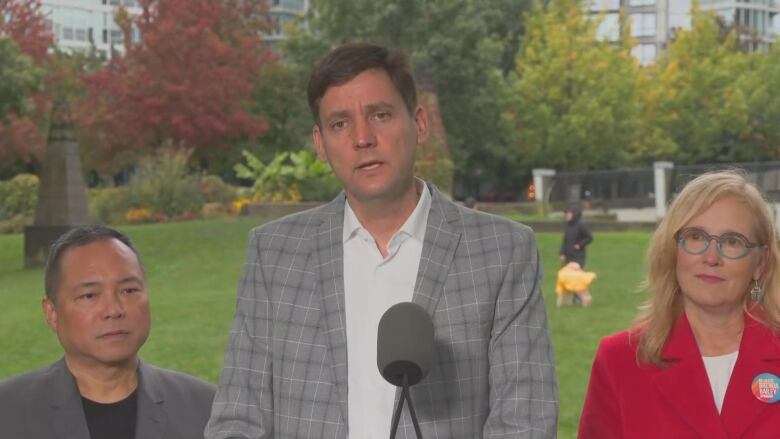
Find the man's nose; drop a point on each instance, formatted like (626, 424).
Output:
(363, 134)
(113, 306)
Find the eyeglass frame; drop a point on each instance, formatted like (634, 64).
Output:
(748, 244)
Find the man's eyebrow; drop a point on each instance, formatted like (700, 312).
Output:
(381, 105)
(338, 114)
(130, 279)
(369, 108)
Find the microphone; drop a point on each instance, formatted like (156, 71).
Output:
(405, 343)
(405, 348)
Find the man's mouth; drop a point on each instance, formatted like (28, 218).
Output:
(368, 166)
(117, 333)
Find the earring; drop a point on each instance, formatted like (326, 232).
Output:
(757, 292)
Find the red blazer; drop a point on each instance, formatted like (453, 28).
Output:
(628, 400)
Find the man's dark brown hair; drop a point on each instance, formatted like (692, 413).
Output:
(345, 62)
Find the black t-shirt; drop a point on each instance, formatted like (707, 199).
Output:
(115, 420)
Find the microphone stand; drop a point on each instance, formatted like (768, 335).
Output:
(405, 396)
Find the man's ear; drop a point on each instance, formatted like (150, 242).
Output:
(421, 117)
(316, 135)
(50, 311)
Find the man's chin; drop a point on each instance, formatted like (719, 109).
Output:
(380, 193)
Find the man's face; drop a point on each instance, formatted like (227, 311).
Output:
(369, 138)
(101, 315)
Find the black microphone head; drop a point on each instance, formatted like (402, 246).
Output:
(404, 344)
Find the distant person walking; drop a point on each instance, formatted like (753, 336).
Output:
(575, 237)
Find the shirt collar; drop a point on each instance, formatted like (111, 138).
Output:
(414, 226)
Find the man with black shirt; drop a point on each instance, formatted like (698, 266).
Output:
(97, 303)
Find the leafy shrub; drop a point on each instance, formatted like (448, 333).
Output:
(214, 210)
(18, 196)
(214, 190)
(137, 216)
(110, 205)
(316, 180)
(289, 177)
(239, 205)
(164, 185)
(439, 171)
(15, 224)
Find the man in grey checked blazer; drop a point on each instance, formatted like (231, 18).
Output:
(285, 373)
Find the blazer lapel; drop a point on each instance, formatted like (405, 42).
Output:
(684, 385)
(441, 240)
(152, 418)
(759, 353)
(66, 413)
(328, 256)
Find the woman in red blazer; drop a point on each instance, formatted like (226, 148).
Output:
(702, 359)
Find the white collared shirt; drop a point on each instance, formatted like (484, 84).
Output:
(372, 284)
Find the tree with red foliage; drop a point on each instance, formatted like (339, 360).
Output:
(23, 21)
(21, 133)
(186, 82)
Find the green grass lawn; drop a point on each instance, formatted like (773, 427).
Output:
(193, 270)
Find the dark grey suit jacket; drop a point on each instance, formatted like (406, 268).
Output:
(479, 277)
(46, 404)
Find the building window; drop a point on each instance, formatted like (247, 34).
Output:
(644, 53)
(603, 5)
(609, 28)
(116, 37)
(67, 33)
(642, 25)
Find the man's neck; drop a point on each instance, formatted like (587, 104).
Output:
(104, 383)
(382, 218)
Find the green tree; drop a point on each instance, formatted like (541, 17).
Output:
(760, 86)
(697, 105)
(574, 102)
(280, 98)
(19, 79)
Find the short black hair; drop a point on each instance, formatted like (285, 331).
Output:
(345, 62)
(73, 238)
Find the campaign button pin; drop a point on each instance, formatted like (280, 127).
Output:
(766, 388)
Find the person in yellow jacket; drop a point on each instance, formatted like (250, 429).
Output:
(573, 280)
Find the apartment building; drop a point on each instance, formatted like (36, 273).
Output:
(654, 22)
(77, 24)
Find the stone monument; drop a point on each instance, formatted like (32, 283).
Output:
(62, 194)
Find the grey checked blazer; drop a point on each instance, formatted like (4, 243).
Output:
(46, 404)
(285, 372)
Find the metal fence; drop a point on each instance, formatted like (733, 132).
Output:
(635, 187)
(765, 175)
(632, 187)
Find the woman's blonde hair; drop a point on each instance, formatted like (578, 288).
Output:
(659, 314)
